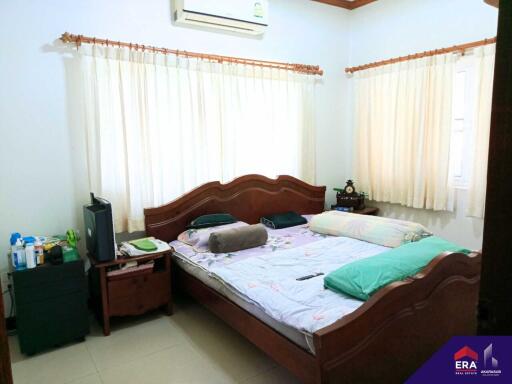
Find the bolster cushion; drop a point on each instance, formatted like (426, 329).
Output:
(236, 239)
(362, 278)
(373, 229)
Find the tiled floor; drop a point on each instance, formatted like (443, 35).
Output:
(192, 346)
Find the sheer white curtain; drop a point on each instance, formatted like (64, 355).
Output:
(403, 127)
(484, 64)
(158, 126)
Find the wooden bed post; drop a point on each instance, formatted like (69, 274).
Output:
(495, 317)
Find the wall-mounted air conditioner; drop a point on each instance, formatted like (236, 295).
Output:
(244, 16)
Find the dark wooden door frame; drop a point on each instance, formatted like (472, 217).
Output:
(5, 359)
(495, 315)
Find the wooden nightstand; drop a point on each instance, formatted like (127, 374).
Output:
(131, 293)
(365, 211)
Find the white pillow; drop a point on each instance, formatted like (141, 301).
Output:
(373, 229)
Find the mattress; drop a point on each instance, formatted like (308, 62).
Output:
(263, 280)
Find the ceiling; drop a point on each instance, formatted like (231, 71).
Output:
(347, 4)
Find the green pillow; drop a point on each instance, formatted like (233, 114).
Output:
(283, 220)
(362, 278)
(212, 220)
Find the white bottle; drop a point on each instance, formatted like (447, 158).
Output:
(14, 257)
(19, 255)
(30, 254)
(39, 251)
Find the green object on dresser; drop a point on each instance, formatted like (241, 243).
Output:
(362, 278)
(51, 306)
(144, 244)
(69, 254)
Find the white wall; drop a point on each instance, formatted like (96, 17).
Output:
(42, 162)
(390, 28)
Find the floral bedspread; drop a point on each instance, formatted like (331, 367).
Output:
(273, 281)
(278, 239)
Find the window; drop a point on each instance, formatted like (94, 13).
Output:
(464, 95)
(158, 126)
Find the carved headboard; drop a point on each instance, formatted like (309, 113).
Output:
(247, 198)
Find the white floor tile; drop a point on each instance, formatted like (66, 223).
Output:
(178, 364)
(220, 345)
(277, 375)
(14, 349)
(58, 366)
(132, 339)
(90, 379)
(192, 346)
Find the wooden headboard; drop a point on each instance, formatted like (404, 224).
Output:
(247, 198)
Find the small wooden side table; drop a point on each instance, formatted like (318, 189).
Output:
(365, 211)
(134, 292)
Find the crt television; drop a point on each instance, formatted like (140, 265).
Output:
(99, 229)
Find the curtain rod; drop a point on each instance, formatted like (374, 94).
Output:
(301, 68)
(455, 48)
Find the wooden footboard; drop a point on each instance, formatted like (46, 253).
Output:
(401, 326)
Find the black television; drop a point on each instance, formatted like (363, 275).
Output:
(99, 229)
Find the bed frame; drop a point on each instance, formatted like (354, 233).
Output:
(383, 341)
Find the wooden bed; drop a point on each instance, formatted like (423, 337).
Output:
(383, 341)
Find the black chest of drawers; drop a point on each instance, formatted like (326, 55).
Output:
(51, 306)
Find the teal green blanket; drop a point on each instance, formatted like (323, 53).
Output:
(363, 278)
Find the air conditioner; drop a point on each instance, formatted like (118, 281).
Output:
(244, 16)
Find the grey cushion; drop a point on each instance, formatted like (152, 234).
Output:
(236, 239)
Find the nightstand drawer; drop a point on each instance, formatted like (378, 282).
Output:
(49, 276)
(50, 291)
(131, 286)
(138, 295)
(148, 284)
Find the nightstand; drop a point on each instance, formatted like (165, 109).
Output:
(132, 292)
(51, 305)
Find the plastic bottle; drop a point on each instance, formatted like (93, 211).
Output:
(14, 259)
(39, 251)
(30, 255)
(18, 255)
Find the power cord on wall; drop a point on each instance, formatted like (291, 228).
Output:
(12, 312)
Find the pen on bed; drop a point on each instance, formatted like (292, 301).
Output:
(309, 276)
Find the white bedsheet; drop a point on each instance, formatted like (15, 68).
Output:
(269, 281)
